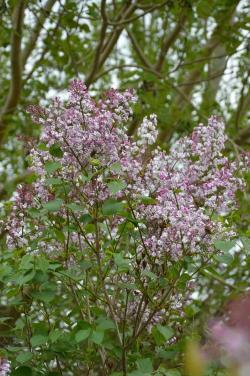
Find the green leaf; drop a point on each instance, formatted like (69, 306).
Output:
(54, 181)
(145, 365)
(166, 331)
(59, 235)
(246, 243)
(42, 147)
(82, 335)
(173, 372)
(51, 167)
(24, 357)
(55, 335)
(148, 200)
(122, 263)
(34, 213)
(38, 340)
(44, 296)
(97, 337)
(224, 245)
(27, 262)
(90, 228)
(162, 333)
(53, 205)
(56, 151)
(149, 274)
(30, 178)
(138, 373)
(85, 27)
(116, 186)
(116, 167)
(42, 263)
(112, 207)
(86, 218)
(105, 324)
(94, 162)
(22, 371)
(75, 207)
(25, 278)
(85, 265)
(224, 259)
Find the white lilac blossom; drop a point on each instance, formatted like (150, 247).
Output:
(147, 132)
(188, 189)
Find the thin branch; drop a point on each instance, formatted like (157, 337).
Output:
(37, 63)
(117, 67)
(45, 12)
(209, 78)
(242, 101)
(16, 67)
(150, 68)
(218, 278)
(129, 20)
(139, 51)
(220, 56)
(106, 45)
(115, 35)
(195, 74)
(100, 44)
(244, 136)
(169, 41)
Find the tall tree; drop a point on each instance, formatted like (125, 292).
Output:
(185, 59)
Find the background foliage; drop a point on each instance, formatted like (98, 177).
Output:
(185, 59)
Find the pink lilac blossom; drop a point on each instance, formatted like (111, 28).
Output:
(189, 188)
(4, 367)
(231, 334)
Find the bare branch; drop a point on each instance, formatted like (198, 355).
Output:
(16, 66)
(100, 44)
(117, 67)
(111, 40)
(36, 31)
(148, 67)
(244, 136)
(212, 77)
(139, 51)
(220, 56)
(194, 76)
(244, 101)
(50, 35)
(129, 20)
(169, 40)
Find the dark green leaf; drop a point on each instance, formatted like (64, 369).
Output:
(53, 205)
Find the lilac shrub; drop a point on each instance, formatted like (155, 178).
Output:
(124, 214)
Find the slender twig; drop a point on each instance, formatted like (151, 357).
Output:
(169, 41)
(131, 19)
(16, 64)
(124, 363)
(139, 51)
(97, 250)
(35, 33)
(102, 36)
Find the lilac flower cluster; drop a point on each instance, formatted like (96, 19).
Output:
(192, 187)
(178, 199)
